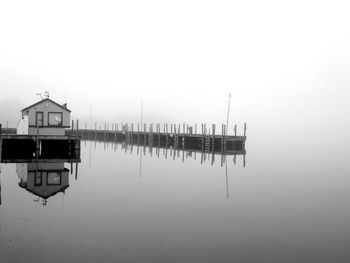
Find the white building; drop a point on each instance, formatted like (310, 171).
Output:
(48, 116)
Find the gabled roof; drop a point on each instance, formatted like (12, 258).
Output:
(47, 99)
(47, 195)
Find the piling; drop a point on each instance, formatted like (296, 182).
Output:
(0, 147)
(138, 133)
(222, 137)
(37, 142)
(132, 132)
(77, 131)
(202, 137)
(213, 138)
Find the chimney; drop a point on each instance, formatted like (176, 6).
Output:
(65, 105)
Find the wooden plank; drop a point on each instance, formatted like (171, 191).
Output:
(41, 137)
(33, 160)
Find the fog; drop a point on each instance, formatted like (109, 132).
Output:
(286, 63)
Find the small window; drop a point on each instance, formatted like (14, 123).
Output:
(53, 178)
(38, 179)
(39, 118)
(55, 118)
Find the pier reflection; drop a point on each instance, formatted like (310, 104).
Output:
(172, 152)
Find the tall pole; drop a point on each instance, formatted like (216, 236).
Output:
(141, 113)
(228, 112)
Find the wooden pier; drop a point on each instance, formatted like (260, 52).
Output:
(175, 138)
(44, 148)
(29, 148)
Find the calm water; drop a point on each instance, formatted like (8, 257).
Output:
(289, 204)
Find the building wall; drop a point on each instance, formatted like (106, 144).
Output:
(22, 127)
(47, 131)
(46, 107)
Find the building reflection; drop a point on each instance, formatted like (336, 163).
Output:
(44, 180)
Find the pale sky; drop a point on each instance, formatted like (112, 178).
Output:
(286, 63)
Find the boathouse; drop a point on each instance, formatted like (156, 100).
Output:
(50, 117)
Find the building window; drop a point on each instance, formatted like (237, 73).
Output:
(38, 179)
(53, 178)
(39, 118)
(55, 119)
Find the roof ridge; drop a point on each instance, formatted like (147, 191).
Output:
(54, 102)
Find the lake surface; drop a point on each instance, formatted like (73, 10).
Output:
(290, 203)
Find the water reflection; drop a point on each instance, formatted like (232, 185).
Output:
(44, 180)
(173, 153)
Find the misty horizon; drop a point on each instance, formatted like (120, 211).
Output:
(286, 65)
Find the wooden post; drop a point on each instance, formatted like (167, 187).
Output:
(0, 158)
(245, 129)
(166, 139)
(37, 142)
(225, 137)
(77, 121)
(72, 127)
(235, 129)
(158, 136)
(222, 138)
(7, 128)
(202, 137)
(183, 135)
(132, 134)
(213, 143)
(76, 170)
(138, 134)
